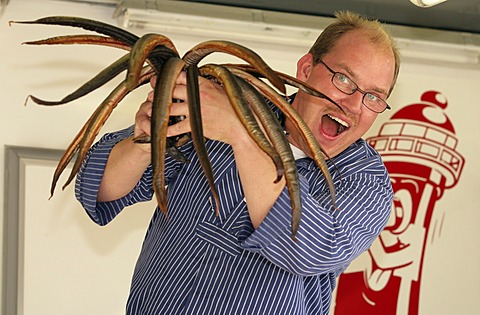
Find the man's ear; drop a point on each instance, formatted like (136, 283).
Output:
(304, 67)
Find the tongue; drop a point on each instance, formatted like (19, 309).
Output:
(329, 126)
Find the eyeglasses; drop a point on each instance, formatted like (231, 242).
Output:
(347, 86)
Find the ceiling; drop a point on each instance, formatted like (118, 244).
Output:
(452, 15)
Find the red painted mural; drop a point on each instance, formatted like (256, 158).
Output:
(418, 145)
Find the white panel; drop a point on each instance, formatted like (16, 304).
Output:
(66, 262)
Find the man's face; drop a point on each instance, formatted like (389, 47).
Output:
(370, 68)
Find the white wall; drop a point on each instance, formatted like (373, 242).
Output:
(54, 253)
(52, 72)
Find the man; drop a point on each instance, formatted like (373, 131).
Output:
(244, 261)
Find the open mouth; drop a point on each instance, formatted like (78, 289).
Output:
(333, 126)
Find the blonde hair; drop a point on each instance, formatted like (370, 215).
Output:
(347, 21)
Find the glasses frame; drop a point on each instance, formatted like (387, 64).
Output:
(356, 88)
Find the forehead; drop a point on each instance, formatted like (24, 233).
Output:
(370, 64)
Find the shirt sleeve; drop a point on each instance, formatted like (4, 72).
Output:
(328, 238)
(91, 173)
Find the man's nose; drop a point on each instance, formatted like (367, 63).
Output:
(353, 102)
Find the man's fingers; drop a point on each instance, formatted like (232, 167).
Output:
(179, 109)
(153, 81)
(142, 118)
(178, 128)
(182, 78)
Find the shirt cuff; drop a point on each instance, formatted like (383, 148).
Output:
(277, 224)
(91, 174)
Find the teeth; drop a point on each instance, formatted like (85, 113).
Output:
(341, 122)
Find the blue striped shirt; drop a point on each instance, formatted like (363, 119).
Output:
(194, 262)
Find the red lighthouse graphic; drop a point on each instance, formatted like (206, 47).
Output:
(418, 145)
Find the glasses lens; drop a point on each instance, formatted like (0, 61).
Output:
(343, 83)
(374, 103)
